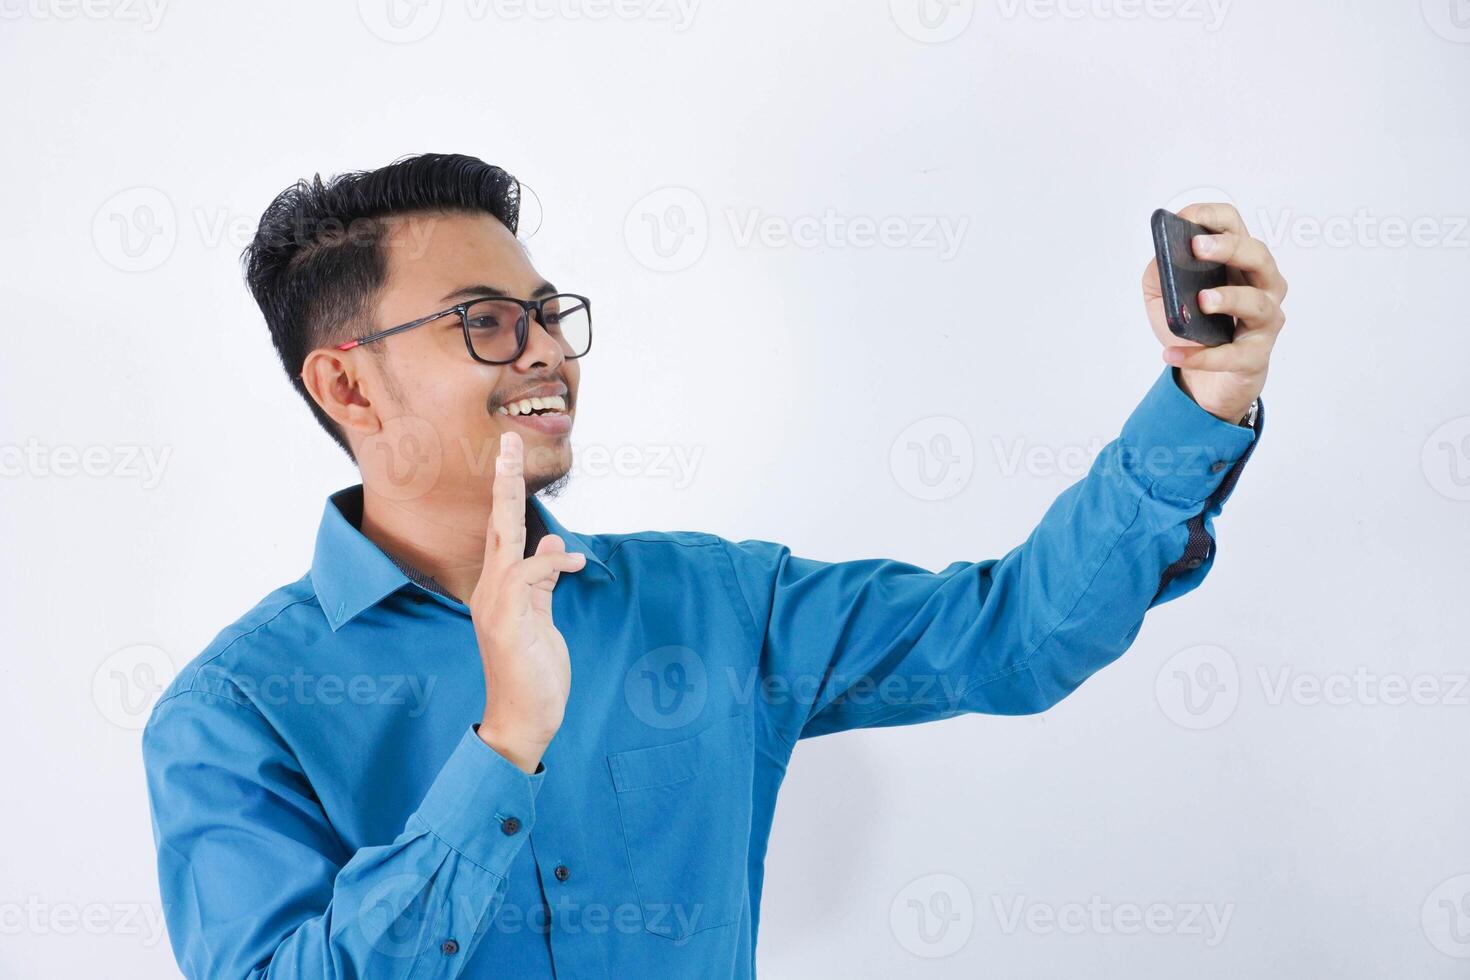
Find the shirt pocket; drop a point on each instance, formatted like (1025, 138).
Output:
(685, 809)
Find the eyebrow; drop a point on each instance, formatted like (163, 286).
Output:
(493, 292)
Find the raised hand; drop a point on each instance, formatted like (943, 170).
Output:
(528, 674)
(1225, 380)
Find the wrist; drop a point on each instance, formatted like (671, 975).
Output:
(522, 752)
(1232, 413)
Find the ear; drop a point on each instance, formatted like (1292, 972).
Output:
(335, 383)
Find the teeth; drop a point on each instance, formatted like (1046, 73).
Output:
(525, 406)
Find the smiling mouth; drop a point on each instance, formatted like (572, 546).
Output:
(548, 405)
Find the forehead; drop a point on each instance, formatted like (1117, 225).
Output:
(431, 255)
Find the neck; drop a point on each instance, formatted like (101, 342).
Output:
(441, 536)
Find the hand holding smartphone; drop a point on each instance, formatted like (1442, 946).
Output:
(1182, 276)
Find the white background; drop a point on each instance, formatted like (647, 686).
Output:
(1332, 835)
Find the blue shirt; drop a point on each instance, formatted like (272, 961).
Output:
(322, 806)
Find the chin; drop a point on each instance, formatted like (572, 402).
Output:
(549, 456)
(548, 466)
(547, 484)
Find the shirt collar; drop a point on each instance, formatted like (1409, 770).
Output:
(351, 574)
(574, 542)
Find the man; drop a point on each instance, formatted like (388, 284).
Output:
(405, 765)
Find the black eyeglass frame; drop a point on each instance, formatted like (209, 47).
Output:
(523, 325)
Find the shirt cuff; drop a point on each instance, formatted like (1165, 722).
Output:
(1175, 448)
(482, 805)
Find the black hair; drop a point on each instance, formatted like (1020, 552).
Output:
(317, 260)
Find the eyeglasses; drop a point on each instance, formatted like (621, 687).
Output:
(495, 330)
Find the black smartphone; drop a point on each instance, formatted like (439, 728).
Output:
(1182, 276)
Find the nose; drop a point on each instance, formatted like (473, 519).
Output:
(542, 349)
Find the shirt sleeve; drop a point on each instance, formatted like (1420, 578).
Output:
(256, 884)
(880, 642)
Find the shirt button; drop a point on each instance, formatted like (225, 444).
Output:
(562, 872)
(449, 947)
(1217, 466)
(510, 826)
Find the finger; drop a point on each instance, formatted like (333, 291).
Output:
(1249, 255)
(539, 568)
(549, 544)
(1253, 309)
(505, 542)
(1247, 356)
(541, 594)
(1216, 217)
(521, 582)
(1152, 286)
